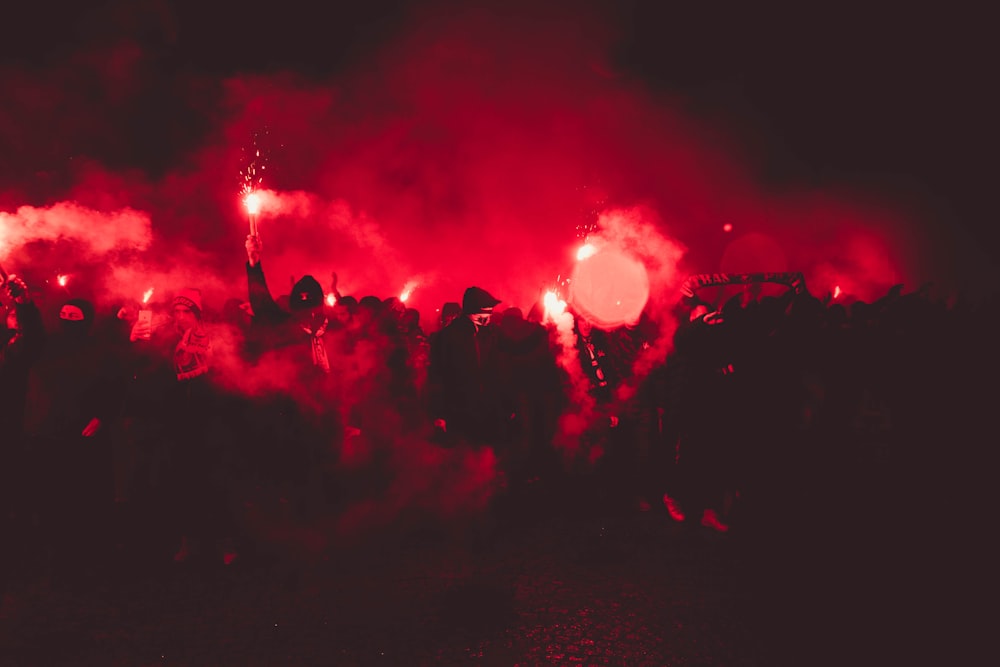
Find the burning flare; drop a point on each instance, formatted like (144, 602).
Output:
(554, 306)
(585, 251)
(252, 203)
(147, 295)
(407, 290)
(62, 280)
(331, 299)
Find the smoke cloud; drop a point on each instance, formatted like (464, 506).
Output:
(455, 156)
(99, 234)
(468, 148)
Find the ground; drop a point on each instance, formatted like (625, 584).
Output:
(547, 577)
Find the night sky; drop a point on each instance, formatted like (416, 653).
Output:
(458, 143)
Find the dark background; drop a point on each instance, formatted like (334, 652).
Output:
(887, 95)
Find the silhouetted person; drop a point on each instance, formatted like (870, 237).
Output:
(700, 477)
(299, 420)
(530, 385)
(76, 393)
(464, 400)
(194, 486)
(22, 340)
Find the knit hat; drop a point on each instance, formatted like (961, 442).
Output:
(189, 298)
(306, 293)
(477, 300)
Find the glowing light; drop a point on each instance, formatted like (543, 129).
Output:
(610, 289)
(554, 306)
(252, 203)
(147, 295)
(727, 227)
(407, 290)
(836, 291)
(331, 299)
(252, 175)
(62, 280)
(585, 251)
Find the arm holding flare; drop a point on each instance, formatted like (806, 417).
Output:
(262, 303)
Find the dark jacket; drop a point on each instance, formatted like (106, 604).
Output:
(462, 380)
(19, 351)
(76, 380)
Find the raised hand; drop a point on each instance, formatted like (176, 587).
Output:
(253, 247)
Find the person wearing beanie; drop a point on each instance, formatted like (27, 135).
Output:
(174, 412)
(189, 298)
(197, 497)
(192, 351)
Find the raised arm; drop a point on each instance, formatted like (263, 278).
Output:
(264, 307)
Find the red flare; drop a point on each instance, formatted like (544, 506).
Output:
(252, 203)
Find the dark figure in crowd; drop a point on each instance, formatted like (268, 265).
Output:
(599, 364)
(449, 311)
(300, 423)
(408, 363)
(701, 475)
(606, 357)
(464, 399)
(303, 326)
(22, 340)
(76, 394)
(530, 384)
(22, 337)
(193, 491)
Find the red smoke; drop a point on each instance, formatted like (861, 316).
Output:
(98, 233)
(466, 151)
(457, 156)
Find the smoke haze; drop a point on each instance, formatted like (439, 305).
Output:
(453, 156)
(464, 147)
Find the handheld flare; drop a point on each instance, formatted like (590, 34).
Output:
(252, 204)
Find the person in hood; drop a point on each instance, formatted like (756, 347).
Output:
(75, 393)
(464, 395)
(300, 341)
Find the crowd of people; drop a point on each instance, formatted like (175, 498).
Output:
(169, 425)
